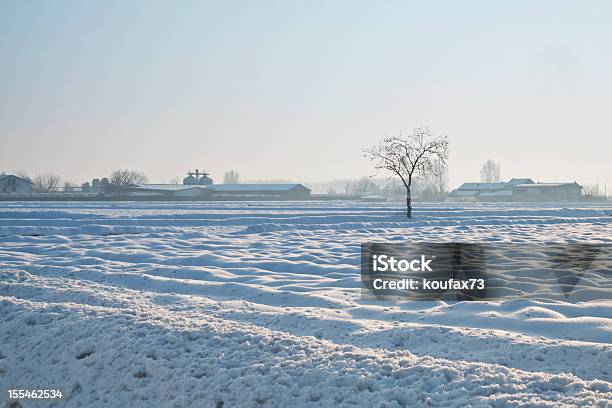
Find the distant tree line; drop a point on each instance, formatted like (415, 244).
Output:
(431, 188)
(45, 183)
(595, 191)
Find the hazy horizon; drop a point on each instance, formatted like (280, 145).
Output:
(295, 90)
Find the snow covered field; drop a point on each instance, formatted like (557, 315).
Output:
(259, 304)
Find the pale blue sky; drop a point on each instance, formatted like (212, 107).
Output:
(294, 90)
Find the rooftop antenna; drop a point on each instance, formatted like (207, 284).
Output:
(197, 174)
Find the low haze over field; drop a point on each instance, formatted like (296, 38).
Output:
(294, 90)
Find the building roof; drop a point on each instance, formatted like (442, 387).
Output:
(253, 187)
(482, 186)
(165, 187)
(518, 181)
(540, 185)
(25, 180)
(223, 188)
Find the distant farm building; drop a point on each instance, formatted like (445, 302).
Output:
(288, 191)
(547, 192)
(10, 184)
(227, 191)
(517, 190)
(199, 185)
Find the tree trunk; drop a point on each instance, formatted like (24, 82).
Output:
(408, 203)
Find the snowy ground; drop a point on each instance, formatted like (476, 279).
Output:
(214, 304)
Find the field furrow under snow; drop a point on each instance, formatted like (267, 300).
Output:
(225, 304)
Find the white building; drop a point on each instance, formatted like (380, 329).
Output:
(10, 184)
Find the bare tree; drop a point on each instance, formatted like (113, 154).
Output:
(435, 184)
(441, 178)
(68, 186)
(594, 191)
(490, 172)
(175, 180)
(409, 156)
(363, 185)
(121, 179)
(231, 177)
(45, 183)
